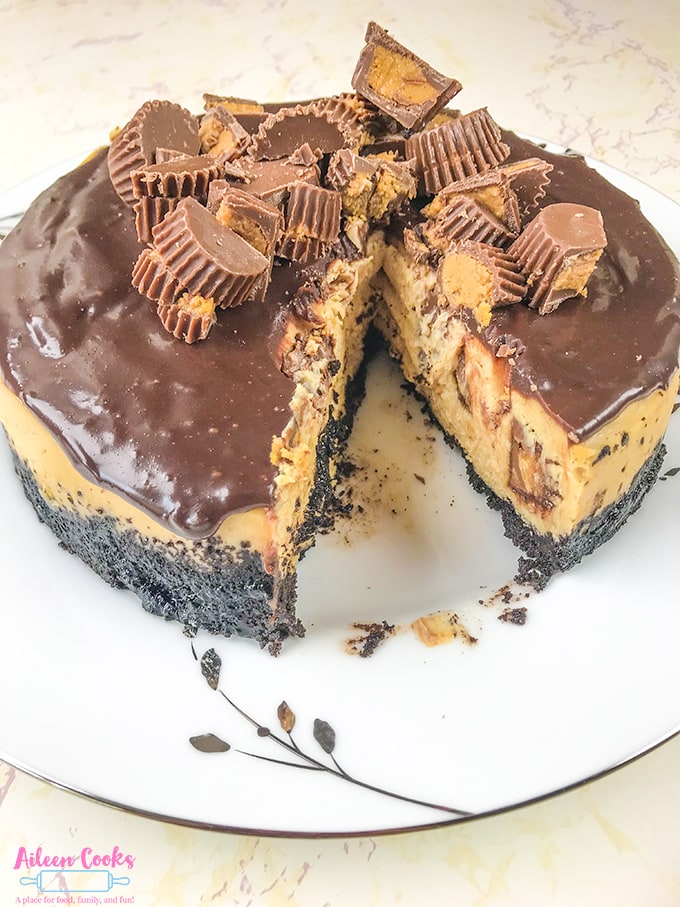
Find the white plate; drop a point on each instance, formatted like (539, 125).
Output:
(101, 698)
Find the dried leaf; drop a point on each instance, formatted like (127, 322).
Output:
(211, 664)
(209, 743)
(286, 717)
(324, 735)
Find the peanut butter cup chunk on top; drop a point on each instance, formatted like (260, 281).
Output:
(176, 178)
(290, 127)
(459, 148)
(222, 135)
(463, 218)
(149, 212)
(312, 222)
(152, 279)
(256, 221)
(207, 258)
(528, 179)
(481, 278)
(491, 189)
(189, 319)
(558, 252)
(398, 82)
(157, 124)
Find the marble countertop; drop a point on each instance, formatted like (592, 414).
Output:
(601, 78)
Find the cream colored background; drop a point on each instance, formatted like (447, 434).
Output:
(605, 81)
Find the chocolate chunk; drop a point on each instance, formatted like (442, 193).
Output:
(256, 221)
(149, 212)
(176, 178)
(222, 135)
(558, 252)
(462, 146)
(306, 299)
(285, 131)
(168, 154)
(481, 278)
(353, 114)
(464, 218)
(153, 279)
(189, 319)
(271, 180)
(157, 124)
(312, 222)
(304, 156)
(492, 190)
(398, 82)
(534, 478)
(207, 258)
(528, 179)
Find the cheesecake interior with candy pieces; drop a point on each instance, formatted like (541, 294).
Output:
(183, 323)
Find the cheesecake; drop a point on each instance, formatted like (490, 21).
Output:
(184, 322)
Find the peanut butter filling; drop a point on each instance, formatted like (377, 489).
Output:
(518, 448)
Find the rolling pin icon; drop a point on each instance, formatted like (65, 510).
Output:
(94, 880)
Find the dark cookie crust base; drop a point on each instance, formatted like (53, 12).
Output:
(232, 593)
(546, 555)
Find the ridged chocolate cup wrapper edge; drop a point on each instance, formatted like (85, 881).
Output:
(207, 258)
(156, 124)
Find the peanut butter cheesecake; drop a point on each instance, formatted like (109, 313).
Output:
(183, 322)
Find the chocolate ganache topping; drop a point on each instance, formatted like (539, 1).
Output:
(184, 431)
(595, 353)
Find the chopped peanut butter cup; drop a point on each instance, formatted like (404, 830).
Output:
(222, 135)
(528, 179)
(312, 222)
(398, 82)
(492, 190)
(256, 221)
(352, 113)
(481, 278)
(371, 187)
(289, 128)
(462, 146)
(271, 180)
(558, 252)
(157, 124)
(355, 178)
(189, 319)
(176, 178)
(207, 258)
(464, 218)
(149, 212)
(153, 280)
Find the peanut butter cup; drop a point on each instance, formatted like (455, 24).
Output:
(460, 147)
(207, 258)
(558, 252)
(398, 82)
(157, 124)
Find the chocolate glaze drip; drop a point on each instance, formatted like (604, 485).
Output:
(184, 432)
